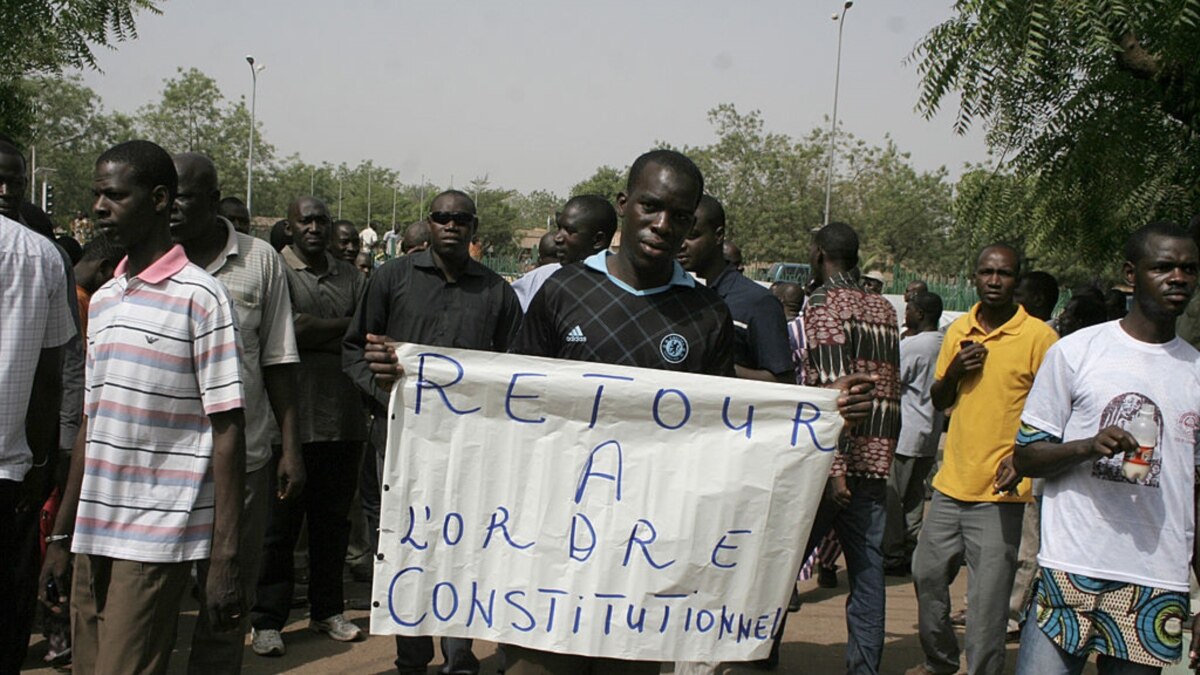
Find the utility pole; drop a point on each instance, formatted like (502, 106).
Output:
(837, 77)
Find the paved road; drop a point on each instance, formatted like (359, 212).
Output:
(814, 642)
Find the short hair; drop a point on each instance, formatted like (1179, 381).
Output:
(342, 222)
(597, 211)
(37, 220)
(454, 193)
(839, 241)
(1088, 309)
(546, 245)
(279, 236)
(712, 206)
(1041, 284)
(929, 303)
(670, 159)
(151, 165)
(416, 234)
(71, 246)
(1004, 247)
(9, 146)
(1135, 245)
(232, 201)
(103, 249)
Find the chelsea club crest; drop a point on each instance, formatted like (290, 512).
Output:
(674, 348)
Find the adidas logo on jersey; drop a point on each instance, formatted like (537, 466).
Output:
(576, 335)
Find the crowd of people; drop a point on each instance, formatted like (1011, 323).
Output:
(201, 397)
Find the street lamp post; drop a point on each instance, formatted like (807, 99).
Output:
(254, 71)
(395, 189)
(837, 76)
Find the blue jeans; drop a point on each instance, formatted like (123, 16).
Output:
(1039, 655)
(859, 528)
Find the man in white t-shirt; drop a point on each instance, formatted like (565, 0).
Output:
(1113, 566)
(369, 238)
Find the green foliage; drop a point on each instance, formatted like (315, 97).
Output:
(1091, 105)
(773, 189)
(607, 182)
(44, 37)
(71, 129)
(194, 116)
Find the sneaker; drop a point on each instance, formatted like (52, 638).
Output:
(337, 627)
(267, 642)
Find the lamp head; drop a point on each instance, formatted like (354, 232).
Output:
(250, 59)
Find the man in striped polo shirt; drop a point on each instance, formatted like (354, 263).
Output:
(157, 481)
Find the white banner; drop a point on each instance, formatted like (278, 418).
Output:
(594, 509)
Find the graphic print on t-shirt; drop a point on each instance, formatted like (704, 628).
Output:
(1121, 412)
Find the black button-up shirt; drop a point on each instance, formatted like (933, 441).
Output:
(409, 300)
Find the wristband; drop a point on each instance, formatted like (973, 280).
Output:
(56, 538)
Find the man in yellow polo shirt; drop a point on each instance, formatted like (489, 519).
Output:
(984, 372)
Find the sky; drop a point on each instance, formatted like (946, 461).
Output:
(537, 94)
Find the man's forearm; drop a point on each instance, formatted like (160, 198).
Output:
(1046, 458)
(314, 332)
(944, 392)
(229, 476)
(280, 383)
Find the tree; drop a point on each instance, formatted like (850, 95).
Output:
(44, 37)
(194, 116)
(770, 184)
(70, 131)
(1091, 105)
(773, 189)
(606, 182)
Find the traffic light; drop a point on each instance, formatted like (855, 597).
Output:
(48, 200)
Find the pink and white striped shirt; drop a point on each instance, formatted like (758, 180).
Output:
(162, 355)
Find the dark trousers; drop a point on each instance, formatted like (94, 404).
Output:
(859, 528)
(413, 655)
(20, 556)
(368, 491)
(332, 469)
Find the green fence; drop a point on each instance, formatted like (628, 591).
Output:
(509, 267)
(958, 295)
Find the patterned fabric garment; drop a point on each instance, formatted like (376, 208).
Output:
(1136, 623)
(848, 330)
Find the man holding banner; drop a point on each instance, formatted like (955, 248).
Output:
(438, 296)
(624, 308)
(604, 513)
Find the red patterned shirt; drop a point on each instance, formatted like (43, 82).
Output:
(848, 330)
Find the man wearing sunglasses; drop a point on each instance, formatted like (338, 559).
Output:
(439, 297)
